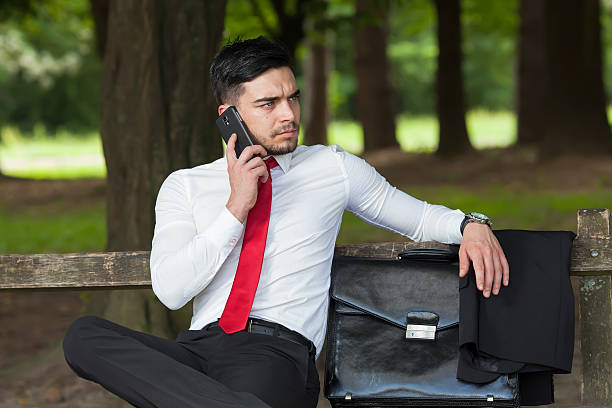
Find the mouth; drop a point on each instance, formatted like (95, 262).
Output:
(287, 133)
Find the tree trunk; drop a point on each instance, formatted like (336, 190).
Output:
(562, 105)
(531, 71)
(157, 115)
(449, 81)
(290, 17)
(317, 73)
(375, 99)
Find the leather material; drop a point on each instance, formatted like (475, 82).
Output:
(369, 361)
(260, 326)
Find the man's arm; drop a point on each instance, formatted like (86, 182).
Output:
(374, 200)
(183, 262)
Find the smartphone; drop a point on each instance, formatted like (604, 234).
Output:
(230, 122)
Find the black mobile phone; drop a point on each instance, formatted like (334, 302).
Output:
(230, 122)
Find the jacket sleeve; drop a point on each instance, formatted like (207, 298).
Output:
(377, 202)
(183, 261)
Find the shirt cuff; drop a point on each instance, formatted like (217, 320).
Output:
(455, 223)
(227, 229)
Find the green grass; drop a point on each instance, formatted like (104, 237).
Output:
(81, 230)
(420, 133)
(35, 230)
(41, 154)
(532, 210)
(44, 230)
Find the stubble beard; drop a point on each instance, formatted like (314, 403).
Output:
(285, 147)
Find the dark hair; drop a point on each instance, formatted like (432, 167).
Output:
(241, 61)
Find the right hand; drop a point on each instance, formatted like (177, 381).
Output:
(243, 177)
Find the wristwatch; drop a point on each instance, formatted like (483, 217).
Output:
(475, 217)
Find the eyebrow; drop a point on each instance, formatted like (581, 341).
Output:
(275, 98)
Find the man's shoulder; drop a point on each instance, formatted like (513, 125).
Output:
(218, 166)
(322, 152)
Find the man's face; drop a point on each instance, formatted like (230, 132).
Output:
(270, 107)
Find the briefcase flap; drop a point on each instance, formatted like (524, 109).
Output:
(414, 293)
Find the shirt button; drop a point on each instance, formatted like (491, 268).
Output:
(233, 240)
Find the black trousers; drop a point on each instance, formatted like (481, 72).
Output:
(202, 368)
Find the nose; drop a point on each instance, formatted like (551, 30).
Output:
(286, 111)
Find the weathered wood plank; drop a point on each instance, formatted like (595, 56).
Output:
(593, 222)
(383, 249)
(81, 270)
(592, 256)
(596, 310)
(131, 269)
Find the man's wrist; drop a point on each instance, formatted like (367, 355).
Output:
(475, 217)
(237, 211)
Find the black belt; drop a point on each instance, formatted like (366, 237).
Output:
(260, 326)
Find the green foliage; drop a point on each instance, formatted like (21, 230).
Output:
(49, 72)
(606, 40)
(490, 42)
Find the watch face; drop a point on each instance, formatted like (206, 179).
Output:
(479, 216)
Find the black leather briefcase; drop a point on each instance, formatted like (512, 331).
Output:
(392, 338)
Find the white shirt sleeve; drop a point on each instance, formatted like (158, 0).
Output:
(375, 201)
(184, 262)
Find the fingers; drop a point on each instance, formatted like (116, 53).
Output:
(491, 268)
(230, 151)
(254, 163)
(464, 263)
(257, 167)
(250, 151)
(505, 268)
(498, 273)
(478, 263)
(261, 172)
(489, 271)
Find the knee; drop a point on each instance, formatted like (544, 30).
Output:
(75, 344)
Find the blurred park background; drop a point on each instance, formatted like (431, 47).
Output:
(496, 106)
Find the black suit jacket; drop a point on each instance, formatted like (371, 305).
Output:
(529, 327)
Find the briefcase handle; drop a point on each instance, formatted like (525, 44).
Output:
(449, 254)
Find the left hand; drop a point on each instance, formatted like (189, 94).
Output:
(480, 246)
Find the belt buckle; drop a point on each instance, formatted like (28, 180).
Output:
(250, 325)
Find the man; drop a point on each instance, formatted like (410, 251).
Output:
(251, 240)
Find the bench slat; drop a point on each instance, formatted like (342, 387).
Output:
(131, 269)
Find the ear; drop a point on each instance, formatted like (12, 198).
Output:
(222, 108)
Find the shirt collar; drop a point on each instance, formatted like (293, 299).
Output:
(284, 161)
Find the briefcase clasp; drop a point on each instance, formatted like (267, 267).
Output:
(421, 332)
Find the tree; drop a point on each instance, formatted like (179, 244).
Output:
(561, 100)
(157, 115)
(450, 101)
(316, 73)
(375, 101)
(290, 18)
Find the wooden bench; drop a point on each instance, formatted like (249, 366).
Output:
(591, 269)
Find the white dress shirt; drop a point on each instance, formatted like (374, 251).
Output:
(197, 241)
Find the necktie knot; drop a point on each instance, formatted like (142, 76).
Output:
(271, 163)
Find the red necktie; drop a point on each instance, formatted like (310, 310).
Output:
(240, 300)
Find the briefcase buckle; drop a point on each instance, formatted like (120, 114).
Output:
(421, 332)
